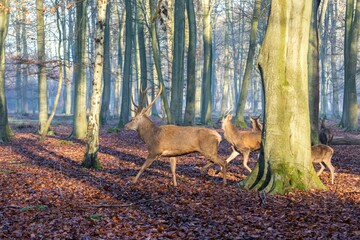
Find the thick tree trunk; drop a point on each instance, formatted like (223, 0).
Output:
(125, 101)
(42, 84)
(206, 104)
(80, 120)
(285, 157)
(178, 63)
(105, 103)
(5, 131)
(349, 118)
(93, 129)
(189, 117)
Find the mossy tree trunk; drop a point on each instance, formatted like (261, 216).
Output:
(285, 158)
(93, 129)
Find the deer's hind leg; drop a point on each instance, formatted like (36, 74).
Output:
(173, 169)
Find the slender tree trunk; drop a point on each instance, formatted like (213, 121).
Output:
(80, 121)
(18, 56)
(25, 70)
(323, 60)
(189, 117)
(313, 74)
(142, 48)
(5, 131)
(61, 75)
(126, 89)
(285, 157)
(178, 63)
(206, 104)
(105, 103)
(119, 78)
(349, 118)
(93, 129)
(334, 74)
(42, 85)
(157, 59)
(240, 108)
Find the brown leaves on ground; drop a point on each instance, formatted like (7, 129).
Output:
(46, 194)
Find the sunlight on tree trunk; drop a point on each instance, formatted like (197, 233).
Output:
(285, 158)
(92, 136)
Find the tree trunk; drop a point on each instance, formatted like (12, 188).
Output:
(334, 74)
(25, 71)
(5, 131)
(349, 118)
(206, 104)
(42, 84)
(93, 129)
(189, 118)
(61, 75)
(345, 141)
(18, 56)
(119, 78)
(125, 102)
(157, 59)
(285, 157)
(240, 108)
(178, 63)
(105, 103)
(313, 71)
(80, 121)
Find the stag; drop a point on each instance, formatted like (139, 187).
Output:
(255, 123)
(243, 142)
(173, 141)
(322, 154)
(325, 135)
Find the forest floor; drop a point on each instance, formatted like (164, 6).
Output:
(46, 194)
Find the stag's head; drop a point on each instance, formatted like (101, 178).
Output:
(141, 113)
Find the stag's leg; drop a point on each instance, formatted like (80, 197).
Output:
(246, 158)
(203, 169)
(146, 164)
(321, 169)
(233, 155)
(173, 169)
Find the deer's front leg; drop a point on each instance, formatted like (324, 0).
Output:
(233, 155)
(146, 164)
(173, 169)
(246, 158)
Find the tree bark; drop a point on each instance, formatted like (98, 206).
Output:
(93, 129)
(42, 84)
(79, 119)
(5, 131)
(189, 117)
(349, 118)
(178, 63)
(285, 157)
(206, 93)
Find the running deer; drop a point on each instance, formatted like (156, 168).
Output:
(255, 123)
(322, 154)
(173, 141)
(243, 142)
(325, 135)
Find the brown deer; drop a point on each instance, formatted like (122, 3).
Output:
(325, 134)
(255, 123)
(172, 141)
(322, 154)
(243, 142)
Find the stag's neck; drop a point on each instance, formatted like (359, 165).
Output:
(148, 130)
